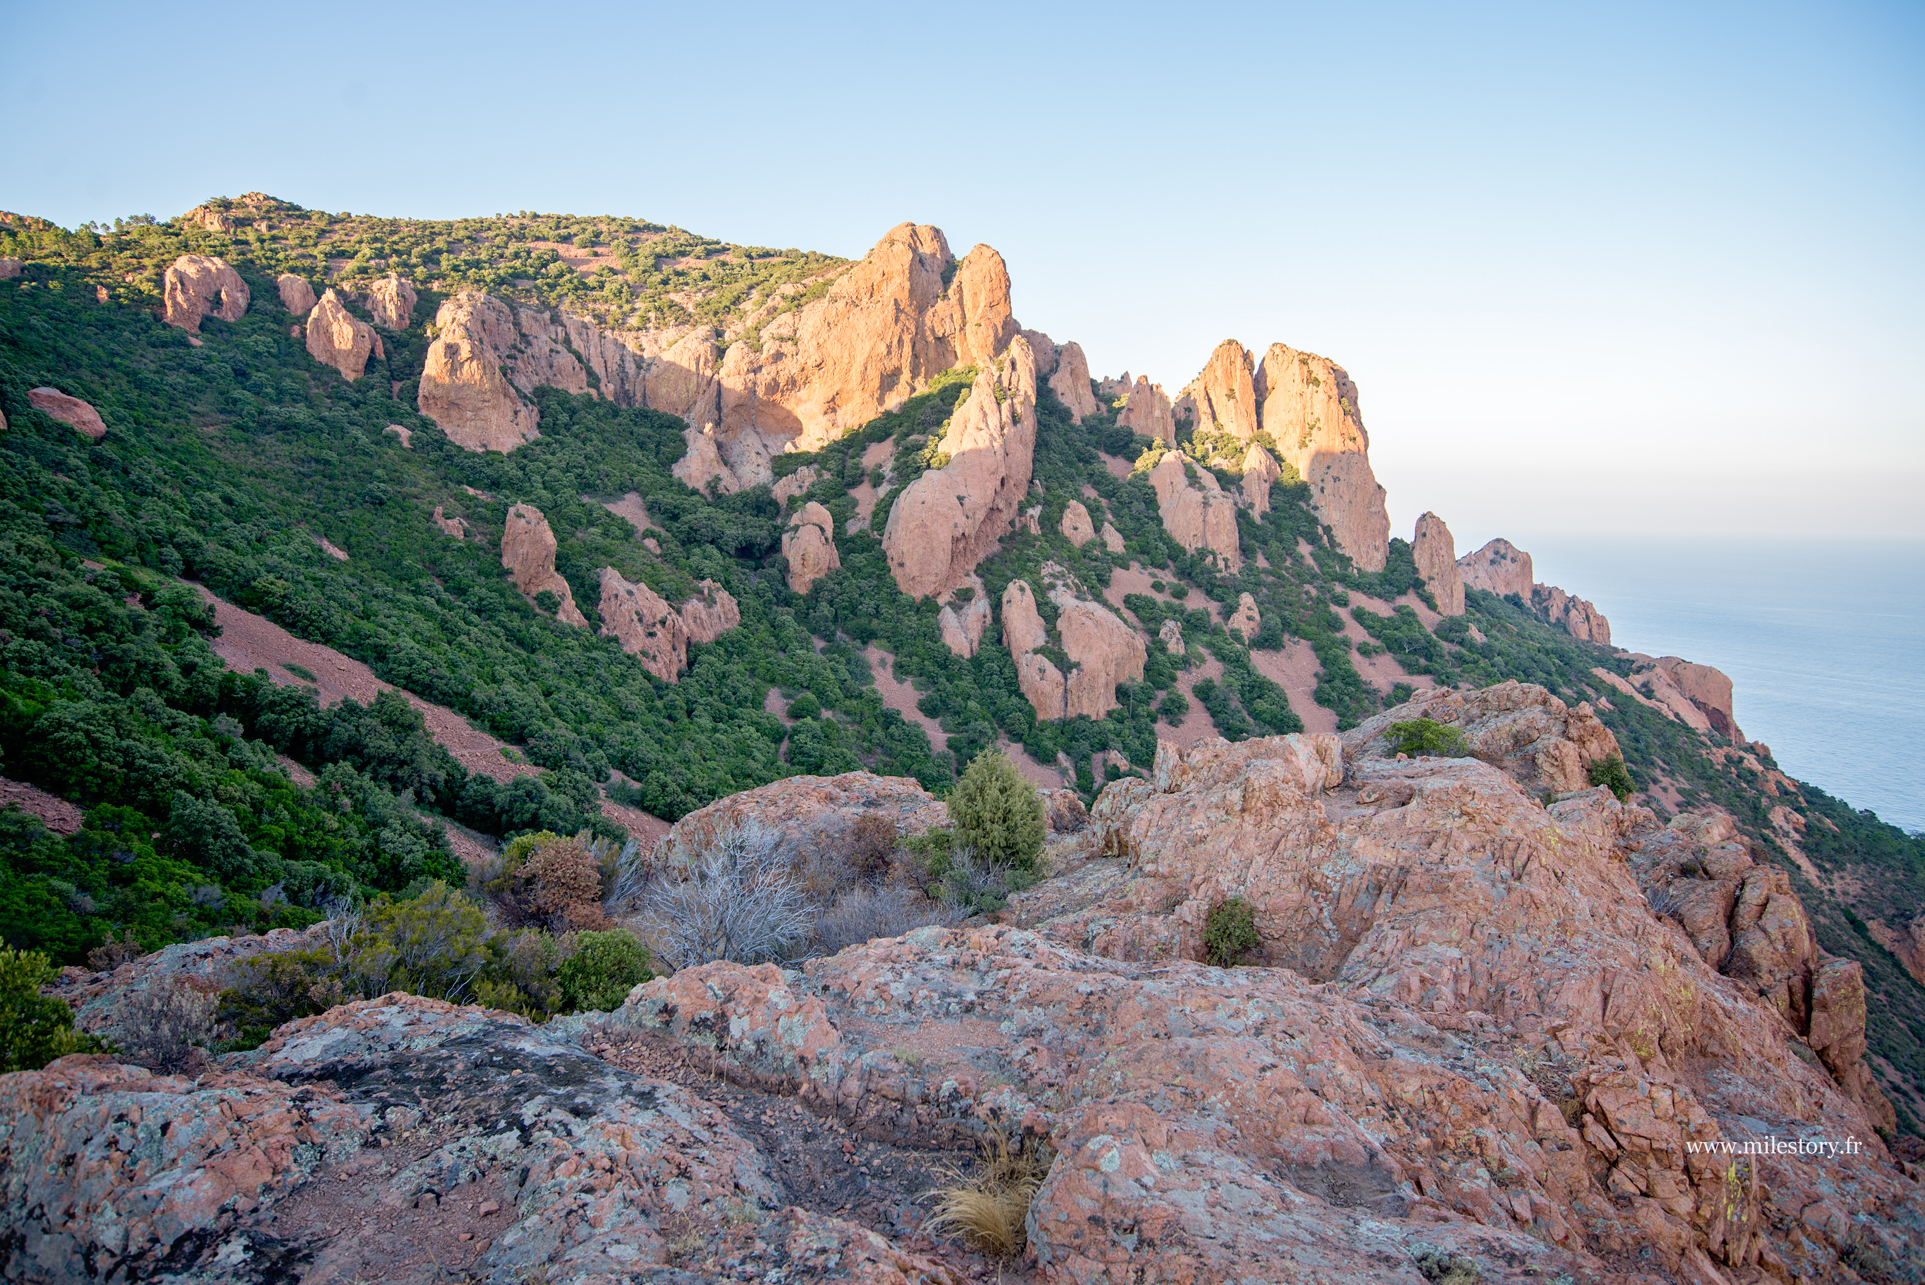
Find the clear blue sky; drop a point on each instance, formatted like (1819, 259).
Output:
(1618, 266)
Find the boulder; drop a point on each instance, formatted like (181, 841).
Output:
(71, 411)
(1580, 619)
(10, 267)
(962, 623)
(645, 625)
(1308, 406)
(1222, 398)
(1537, 739)
(211, 219)
(795, 484)
(1071, 382)
(809, 545)
(1112, 538)
(1436, 557)
(812, 811)
(1245, 620)
(391, 301)
(528, 552)
(1147, 411)
(946, 521)
(297, 296)
(1172, 635)
(337, 338)
(1260, 473)
(1075, 526)
(1500, 567)
(197, 285)
(710, 612)
(462, 385)
(1195, 511)
(1707, 688)
(454, 526)
(702, 464)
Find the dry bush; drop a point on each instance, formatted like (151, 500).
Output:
(872, 842)
(167, 1026)
(734, 898)
(988, 1208)
(111, 954)
(864, 914)
(545, 881)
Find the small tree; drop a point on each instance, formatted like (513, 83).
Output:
(997, 813)
(1426, 736)
(736, 899)
(1614, 776)
(34, 1030)
(1230, 932)
(603, 969)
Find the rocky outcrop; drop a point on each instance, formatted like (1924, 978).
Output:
(1260, 473)
(1500, 567)
(453, 526)
(528, 552)
(1147, 411)
(1171, 633)
(710, 612)
(1580, 619)
(391, 301)
(1071, 382)
(71, 411)
(809, 545)
(1112, 538)
(1531, 735)
(1308, 406)
(1684, 688)
(1075, 526)
(812, 811)
(794, 484)
(946, 521)
(199, 285)
(1102, 651)
(297, 296)
(702, 468)
(10, 267)
(1435, 553)
(1222, 398)
(962, 622)
(1245, 620)
(1195, 511)
(462, 386)
(645, 625)
(337, 338)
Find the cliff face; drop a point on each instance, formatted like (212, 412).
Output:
(1196, 512)
(1223, 397)
(946, 520)
(1583, 620)
(1309, 409)
(1146, 410)
(462, 386)
(1500, 567)
(528, 553)
(1435, 553)
(337, 338)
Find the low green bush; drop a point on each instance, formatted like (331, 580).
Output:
(1614, 776)
(1230, 932)
(34, 1029)
(1422, 737)
(603, 969)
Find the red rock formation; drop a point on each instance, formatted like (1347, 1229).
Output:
(1583, 621)
(1071, 382)
(1436, 555)
(702, 467)
(645, 625)
(1102, 651)
(947, 520)
(1194, 509)
(1708, 689)
(809, 545)
(962, 623)
(71, 411)
(1246, 620)
(1500, 567)
(1147, 411)
(337, 338)
(528, 552)
(710, 612)
(297, 296)
(1260, 473)
(391, 300)
(1309, 410)
(1075, 526)
(817, 810)
(1112, 538)
(1222, 398)
(193, 284)
(462, 387)
(10, 267)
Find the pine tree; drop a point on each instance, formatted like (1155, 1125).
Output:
(997, 813)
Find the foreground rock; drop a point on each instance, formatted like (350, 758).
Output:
(813, 811)
(199, 285)
(338, 338)
(528, 552)
(71, 411)
(1435, 553)
(1309, 409)
(948, 519)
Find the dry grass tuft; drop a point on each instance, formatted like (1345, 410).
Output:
(989, 1207)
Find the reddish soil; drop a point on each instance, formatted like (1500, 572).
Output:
(54, 812)
(1134, 579)
(1295, 670)
(630, 506)
(1118, 466)
(1196, 725)
(900, 696)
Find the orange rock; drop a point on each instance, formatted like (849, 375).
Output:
(1075, 525)
(1580, 619)
(71, 411)
(1309, 410)
(1101, 649)
(462, 387)
(962, 623)
(297, 296)
(1147, 411)
(1260, 472)
(946, 521)
(1194, 509)
(1500, 567)
(1222, 398)
(809, 545)
(337, 338)
(710, 612)
(528, 552)
(192, 285)
(645, 625)
(392, 301)
(702, 468)
(1436, 557)
(1071, 382)
(1246, 620)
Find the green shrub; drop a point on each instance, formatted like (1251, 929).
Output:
(1426, 736)
(1614, 776)
(1230, 932)
(34, 1030)
(603, 969)
(998, 814)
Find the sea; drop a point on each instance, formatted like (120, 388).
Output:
(1824, 642)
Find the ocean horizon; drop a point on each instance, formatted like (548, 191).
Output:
(1824, 641)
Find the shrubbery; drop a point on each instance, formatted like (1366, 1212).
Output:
(1426, 737)
(34, 1030)
(998, 814)
(1229, 932)
(1614, 776)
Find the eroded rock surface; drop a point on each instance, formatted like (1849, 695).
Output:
(528, 552)
(297, 296)
(1147, 411)
(1195, 510)
(818, 810)
(947, 520)
(710, 612)
(1246, 619)
(962, 623)
(1435, 553)
(338, 338)
(69, 410)
(1222, 398)
(1500, 567)
(1071, 382)
(1075, 525)
(1309, 409)
(462, 386)
(1260, 473)
(1581, 619)
(391, 301)
(645, 624)
(1101, 650)
(201, 285)
(809, 545)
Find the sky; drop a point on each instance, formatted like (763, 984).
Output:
(1595, 268)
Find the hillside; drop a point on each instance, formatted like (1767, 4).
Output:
(671, 520)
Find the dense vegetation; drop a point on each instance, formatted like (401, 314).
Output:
(227, 463)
